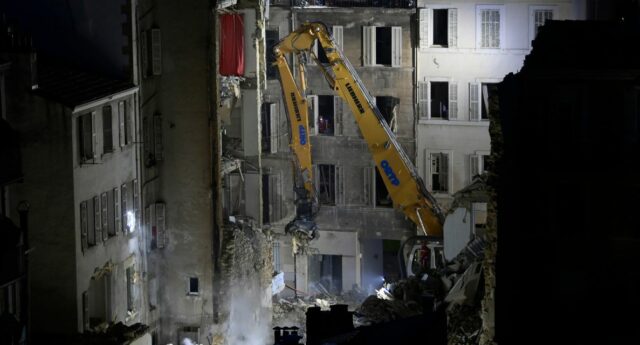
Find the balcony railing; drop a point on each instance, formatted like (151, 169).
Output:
(347, 3)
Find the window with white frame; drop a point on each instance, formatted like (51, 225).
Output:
(490, 31)
(438, 171)
(438, 27)
(438, 99)
(479, 100)
(538, 15)
(477, 164)
(382, 46)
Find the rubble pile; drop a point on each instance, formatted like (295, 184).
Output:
(246, 268)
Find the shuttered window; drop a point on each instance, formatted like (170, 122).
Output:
(107, 130)
(84, 225)
(474, 101)
(423, 100)
(104, 213)
(124, 206)
(144, 53)
(97, 219)
(338, 35)
(312, 101)
(91, 229)
(439, 172)
(453, 100)
(490, 30)
(396, 46)
(423, 28)
(453, 27)
(111, 214)
(368, 45)
(86, 137)
(117, 210)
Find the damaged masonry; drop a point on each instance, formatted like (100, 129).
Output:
(319, 172)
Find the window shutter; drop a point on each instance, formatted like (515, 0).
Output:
(396, 46)
(367, 195)
(147, 138)
(105, 216)
(273, 125)
(368, 45)
(84, 225)
(474, 101)
(117, 212)
(130, 126)
(339, 185)
(157, 137)
(144, 57)
(160, 225)
(444, 171)
(94, 135)
(453, 101)
(156, 51)
(474, 164)
(423, 100)
(453, 27)
(124, 208)
(97, 220)
(121, 121)
(338, 35)
(423, 28)
(338, 111)
(136, 202)
(313, 114)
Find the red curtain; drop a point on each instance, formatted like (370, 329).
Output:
(231, 45)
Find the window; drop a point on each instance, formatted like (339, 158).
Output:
(326, 120)
(124, 206)
(126, 124)
(326, 184)
(104, 214)
(489, 90)
(382, 46)
(439, 173)
(388, 107)
(272, 38)
(538, 15)
(269, 128)
(130, 288)
(438, 100)
(111, 213)
(98, 302)
(84, 225)
(277, 265)
(86, 137)
(90, 216)
(271, 198)
(490, 33)
(107, 130)
(194, 288)
(438, 27)
(478, 165)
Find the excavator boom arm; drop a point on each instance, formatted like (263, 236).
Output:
(399, 174)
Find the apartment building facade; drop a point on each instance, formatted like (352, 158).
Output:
(357, 223)
(464, 48)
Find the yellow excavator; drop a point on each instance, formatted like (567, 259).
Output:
(406, 188)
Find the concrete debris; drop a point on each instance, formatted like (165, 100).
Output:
(229, 90)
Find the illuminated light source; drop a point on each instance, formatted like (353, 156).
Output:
(131, 221)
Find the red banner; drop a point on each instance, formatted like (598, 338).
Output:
(231, 45)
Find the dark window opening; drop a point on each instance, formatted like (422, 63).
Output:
(325, 115)
(383, 199)
(327, 183)
(111, 215)
(440, 28)
(440, 99)
(390, 269)
(272, 39)
(85, 136)
(98, 302)
(266, 127)
(383, 46)
(265, 199)
(193, 286)
(325, 272)
(489, 90)
(107, 129)
(91, 214)
(388, 108)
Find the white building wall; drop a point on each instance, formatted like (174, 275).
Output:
(468, 63)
